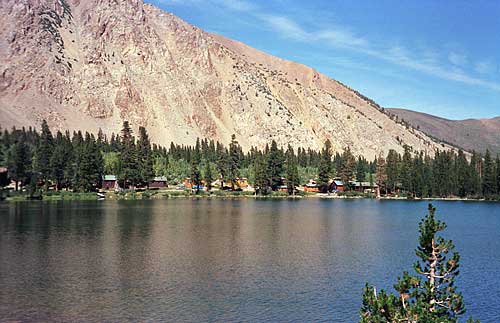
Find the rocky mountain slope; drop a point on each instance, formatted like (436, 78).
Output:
(470, 134)
(90, 64)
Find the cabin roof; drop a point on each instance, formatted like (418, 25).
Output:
(363, 184)
(160, 179)
(109, 177)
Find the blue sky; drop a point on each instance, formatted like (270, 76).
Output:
(439, 57)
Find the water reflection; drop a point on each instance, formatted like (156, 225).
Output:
(216, 260)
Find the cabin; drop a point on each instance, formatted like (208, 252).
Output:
(109, 182)
(364, 187)
(336, 186)
(188, 183)
(311, 187)
(158, 182)
(242, 182)
(283, 188)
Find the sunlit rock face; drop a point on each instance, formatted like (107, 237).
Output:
(90, 64)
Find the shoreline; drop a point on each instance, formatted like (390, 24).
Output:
(175, 194)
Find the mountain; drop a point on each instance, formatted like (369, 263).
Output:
(92, 64)
(470, 134)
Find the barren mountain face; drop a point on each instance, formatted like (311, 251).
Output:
(470, 134)
(90, 64)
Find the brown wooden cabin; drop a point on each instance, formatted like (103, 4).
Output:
(158, 182)
(364, 187)
(311, 187)
(336, 186)
(109, 182)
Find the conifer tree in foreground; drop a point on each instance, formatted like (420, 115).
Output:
(430, 297)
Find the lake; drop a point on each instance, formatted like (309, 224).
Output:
(217, 260)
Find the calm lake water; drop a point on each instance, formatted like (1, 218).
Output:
(227, 260)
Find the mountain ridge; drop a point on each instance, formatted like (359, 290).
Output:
(469, 134)
(92, 64)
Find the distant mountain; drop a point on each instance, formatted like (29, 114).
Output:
(470, 134)
(92, 64)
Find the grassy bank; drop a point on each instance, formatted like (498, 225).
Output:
(143, 195)
(170, 194)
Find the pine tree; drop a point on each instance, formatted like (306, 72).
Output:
(489, 176)
(96, 160)
(83, 167)
(361, 170)
(407, 170)
(261, 174)
(418, 179)
(292, 172)
(129, 166)
(462, 174)
(19, 161)
(392, 169)
(222, 153)
(145, 157)
(88, 168)
(275, 166)
(347, 167)
(474, 173)
(429, 297)
(195, 164)
(325, 167)
(208, 177)
(59, 160)
(381, 174)
(234, 160)
(70, 155)
(43, 154)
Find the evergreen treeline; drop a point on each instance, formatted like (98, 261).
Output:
(77, 161)
(447, 174)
